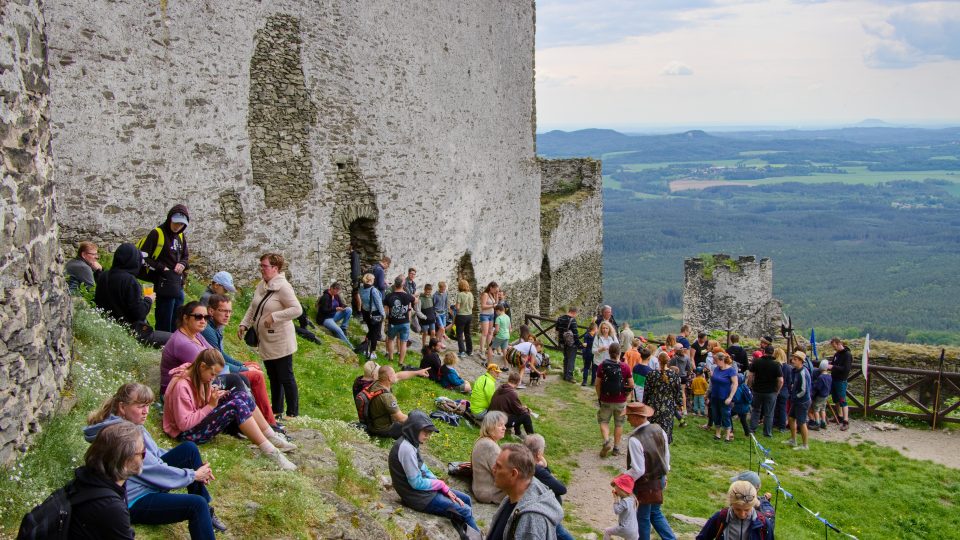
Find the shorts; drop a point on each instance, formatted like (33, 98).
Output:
(441, 320)
(608, 410)
(486, 317)
(427, 327)
(401, 331)
(799, 411)
(839, 393)
(500, 343)
(819, 404)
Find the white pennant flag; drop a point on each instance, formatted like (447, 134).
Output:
(866, 356)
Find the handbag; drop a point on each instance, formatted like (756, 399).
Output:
(251, 338)
(650, 492)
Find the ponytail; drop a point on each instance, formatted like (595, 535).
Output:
(130, 394)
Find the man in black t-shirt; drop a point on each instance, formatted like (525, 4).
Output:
(700, 351)
(766, 379)
(397, 305)
(738, 353)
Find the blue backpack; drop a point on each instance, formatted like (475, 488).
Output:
(742, 398)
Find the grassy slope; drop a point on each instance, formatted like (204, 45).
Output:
(869, 491)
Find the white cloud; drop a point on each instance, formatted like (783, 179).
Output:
(916, 34)
(676, 68)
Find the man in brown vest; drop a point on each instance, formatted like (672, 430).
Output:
(648, 462)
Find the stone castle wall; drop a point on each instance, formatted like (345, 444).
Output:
(571, 218)
(35, 310)
(280, 123)
(739, 298)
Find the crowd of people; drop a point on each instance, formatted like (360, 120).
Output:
(204, 391)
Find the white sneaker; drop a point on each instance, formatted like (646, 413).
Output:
(373, 356)
(790, 442)
(282, 444)
(801, 447)
(282, 461)
(521, 386)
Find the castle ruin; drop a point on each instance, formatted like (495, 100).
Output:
(721, 293)
(297, 126)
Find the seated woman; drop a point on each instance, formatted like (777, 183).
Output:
(186, 343)
(431, 359)
(740, 518)
(193, 410)
(417, 486)
(115, 455)
(148, 497)
(484, 455)
(542, 472)
(449, 378)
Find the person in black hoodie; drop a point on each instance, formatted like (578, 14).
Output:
(840, 370)
(166, 254)
(98, 491)
(119, 294)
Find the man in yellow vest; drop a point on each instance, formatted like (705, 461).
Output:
(166, 255)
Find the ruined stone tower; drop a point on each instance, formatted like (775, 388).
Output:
(720, 293)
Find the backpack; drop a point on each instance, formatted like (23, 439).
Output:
(723, 524)
(565, 335)
(51, 519)
(362, 401)
(742, 398)
(612, 384)
(160, 241)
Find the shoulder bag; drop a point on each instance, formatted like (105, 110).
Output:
(251, 338)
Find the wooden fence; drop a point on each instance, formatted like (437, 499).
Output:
(544, 329)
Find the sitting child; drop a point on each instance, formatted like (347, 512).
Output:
(449, 378)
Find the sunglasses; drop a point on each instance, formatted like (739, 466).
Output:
(197, 316)
(745, 497)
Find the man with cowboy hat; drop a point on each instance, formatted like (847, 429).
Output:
(648, 462)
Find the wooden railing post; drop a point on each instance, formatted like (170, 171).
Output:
(936, 399)
(866, 393)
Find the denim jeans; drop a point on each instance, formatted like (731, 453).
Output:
(589, 368)
(763, 405)
(441, 505)
(563, 533)
(780, 412)
(166, 312)
(337, 325)
(650, 514)
(160, 508)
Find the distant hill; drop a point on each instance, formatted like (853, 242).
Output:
(700, 145)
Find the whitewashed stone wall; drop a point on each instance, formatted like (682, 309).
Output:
(35, 310)
(265, 117)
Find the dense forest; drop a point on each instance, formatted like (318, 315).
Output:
(849, 257)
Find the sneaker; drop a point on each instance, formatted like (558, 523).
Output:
(607, 447)
(844, 426)
(813, 427)
(373, 356)
(823, 425)
(282, 444)
(215, 521)
(615, 451)
(282, 461)
(790, 442)
(521, 386)
(801, 447)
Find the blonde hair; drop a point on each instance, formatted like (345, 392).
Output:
(450, 358)
(129, 394)
(671, 341)
(368, 279)
(370, 369)
(780, 355)
(490, 421)
(608, 326)
(442, 285)
(463, 286)
(742, 494)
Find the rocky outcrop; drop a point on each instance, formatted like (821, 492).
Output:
(35, 310)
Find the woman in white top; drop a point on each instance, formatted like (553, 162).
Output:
(606, 336)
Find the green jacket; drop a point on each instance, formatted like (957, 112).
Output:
(482, 393)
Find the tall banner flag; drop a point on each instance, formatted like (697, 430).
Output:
(865, 361)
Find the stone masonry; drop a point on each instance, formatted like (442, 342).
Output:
(35, 310)
(571, 217)
(725, 293)
(257, 114)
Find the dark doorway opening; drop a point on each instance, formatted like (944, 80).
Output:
(363, 238)
(546, 289)
(465, 271)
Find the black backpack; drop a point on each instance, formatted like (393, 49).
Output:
(612, 384)
(50, 519)
(566, 331)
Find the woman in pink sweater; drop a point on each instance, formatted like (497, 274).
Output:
(193, 410)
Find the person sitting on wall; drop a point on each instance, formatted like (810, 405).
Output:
(120, 295)
(221, 283)
(333, 313)
(83, 270)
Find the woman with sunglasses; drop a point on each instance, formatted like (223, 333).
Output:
(149, 497)
(740, 519)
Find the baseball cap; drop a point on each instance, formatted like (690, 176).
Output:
(747, 476)
(224, 278)
(493, 367)
(180, 218)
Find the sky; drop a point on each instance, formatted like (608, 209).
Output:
(649, 65)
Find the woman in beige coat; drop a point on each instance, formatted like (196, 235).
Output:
(278, 339)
